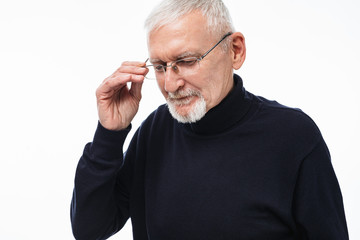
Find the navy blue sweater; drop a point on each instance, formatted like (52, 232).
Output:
(251, 169)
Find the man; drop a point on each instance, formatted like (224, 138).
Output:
(215, 162)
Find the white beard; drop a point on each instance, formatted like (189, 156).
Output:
(197, 111)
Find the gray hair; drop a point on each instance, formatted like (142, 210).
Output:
(218, 18)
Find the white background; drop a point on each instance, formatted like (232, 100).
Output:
(54, 54)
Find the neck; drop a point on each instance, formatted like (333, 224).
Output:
(226, 89)
(231, 109)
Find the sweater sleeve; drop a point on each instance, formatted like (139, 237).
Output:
(318, 205)
(99, 206)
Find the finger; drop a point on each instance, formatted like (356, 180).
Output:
(134, 63)
(135, 90)
(143, 64)
(127, 72)
(114, 83)
(131, 69)
(134, 73)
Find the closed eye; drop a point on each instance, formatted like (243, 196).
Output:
(187, 62)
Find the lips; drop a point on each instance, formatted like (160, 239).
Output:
(182, 97)
(183, 100)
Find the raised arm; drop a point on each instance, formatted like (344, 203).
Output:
(99, 206)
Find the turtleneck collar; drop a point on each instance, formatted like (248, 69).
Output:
(223, 116)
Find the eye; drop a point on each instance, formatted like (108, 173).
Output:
(187, 62)
(159, 68)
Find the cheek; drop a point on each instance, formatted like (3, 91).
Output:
(209, 86)
(212, 88)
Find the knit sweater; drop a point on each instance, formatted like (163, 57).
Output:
(250, 169)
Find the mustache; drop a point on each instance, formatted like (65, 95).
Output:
(183, 93)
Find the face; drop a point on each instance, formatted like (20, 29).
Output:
(190, 97)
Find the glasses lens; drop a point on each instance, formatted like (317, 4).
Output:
(182, 67)
(153, 74)
(187, 66)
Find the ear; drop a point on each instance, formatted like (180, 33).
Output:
(238, 49)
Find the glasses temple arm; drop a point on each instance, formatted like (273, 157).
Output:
(225, 36)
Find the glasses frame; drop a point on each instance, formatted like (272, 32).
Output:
(173, 63)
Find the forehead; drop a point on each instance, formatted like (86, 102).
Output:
(186, 36)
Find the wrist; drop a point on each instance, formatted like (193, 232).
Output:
(108, 143)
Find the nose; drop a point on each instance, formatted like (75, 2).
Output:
(172, 80)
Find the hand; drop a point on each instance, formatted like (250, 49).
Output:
(117, 104)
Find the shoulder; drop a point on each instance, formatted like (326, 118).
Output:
(284, 115)
(286, 124)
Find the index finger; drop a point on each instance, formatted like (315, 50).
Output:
(132, 67)
(135, 63)
(144, 63)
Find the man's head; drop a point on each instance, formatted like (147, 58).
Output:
(179, 29)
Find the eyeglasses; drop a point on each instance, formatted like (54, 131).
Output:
(185, 66)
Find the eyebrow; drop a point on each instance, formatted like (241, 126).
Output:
(155, 61)
(179, 57)
(187, 54)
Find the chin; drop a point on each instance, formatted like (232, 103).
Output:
(193, 113)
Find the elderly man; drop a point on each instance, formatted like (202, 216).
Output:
(215, 162)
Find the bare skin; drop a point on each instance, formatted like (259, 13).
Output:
(117, 104)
